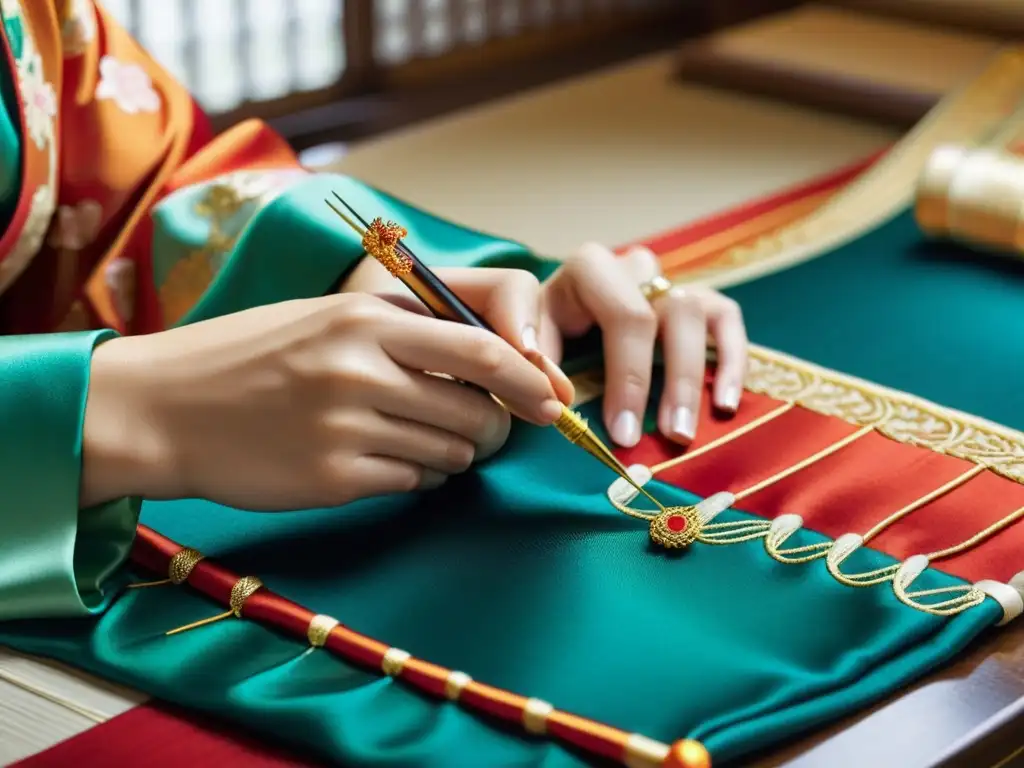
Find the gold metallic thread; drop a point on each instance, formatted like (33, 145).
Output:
(973, 195)
(575, 429)
(241, 591)
(320, 628)
(181, 565)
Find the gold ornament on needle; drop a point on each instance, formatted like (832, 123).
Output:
(384, 243)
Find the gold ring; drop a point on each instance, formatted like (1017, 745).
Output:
(655, 288)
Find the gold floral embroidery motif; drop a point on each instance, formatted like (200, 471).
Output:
(901, 417)
(185, 283)
(227, 205)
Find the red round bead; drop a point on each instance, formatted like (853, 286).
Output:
(676, 523)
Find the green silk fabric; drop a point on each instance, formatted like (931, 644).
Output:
(520, 572)
(54, 559)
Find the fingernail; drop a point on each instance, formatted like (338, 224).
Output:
(529, 338)
(626, 429)
(550, 410)
(730, 399)
(684, 424)
(563, 385)
(431, 479)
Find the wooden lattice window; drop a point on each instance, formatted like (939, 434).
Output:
(228, 52)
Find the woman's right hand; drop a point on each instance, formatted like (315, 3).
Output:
(302, 404)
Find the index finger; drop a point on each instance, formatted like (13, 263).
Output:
(477, 356)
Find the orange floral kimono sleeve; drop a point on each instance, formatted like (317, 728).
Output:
(122, 214)
(128, 207)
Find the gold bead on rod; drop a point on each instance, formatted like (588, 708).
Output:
(178, 569)
(241, 591)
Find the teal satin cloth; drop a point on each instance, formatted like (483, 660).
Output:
(524, 576)
(935, 319)
(521, 574)
(54, 559)
(265, 266)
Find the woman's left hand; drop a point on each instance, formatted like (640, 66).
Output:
(597, 288)
(594, 287)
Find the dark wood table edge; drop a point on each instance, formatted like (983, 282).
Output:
(996, 743)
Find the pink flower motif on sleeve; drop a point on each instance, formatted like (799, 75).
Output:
(128, 86)
(40, 101)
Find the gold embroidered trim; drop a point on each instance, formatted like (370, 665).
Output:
(899, 416)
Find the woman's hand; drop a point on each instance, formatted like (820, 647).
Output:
(304, 404)
(595, 287)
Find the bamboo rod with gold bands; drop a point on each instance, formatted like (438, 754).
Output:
(156, 553)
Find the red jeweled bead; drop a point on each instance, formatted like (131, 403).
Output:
(676, 523)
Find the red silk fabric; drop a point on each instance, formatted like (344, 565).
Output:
(142, 736)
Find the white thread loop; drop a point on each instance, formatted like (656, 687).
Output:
(714, 505)
(621, 492)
